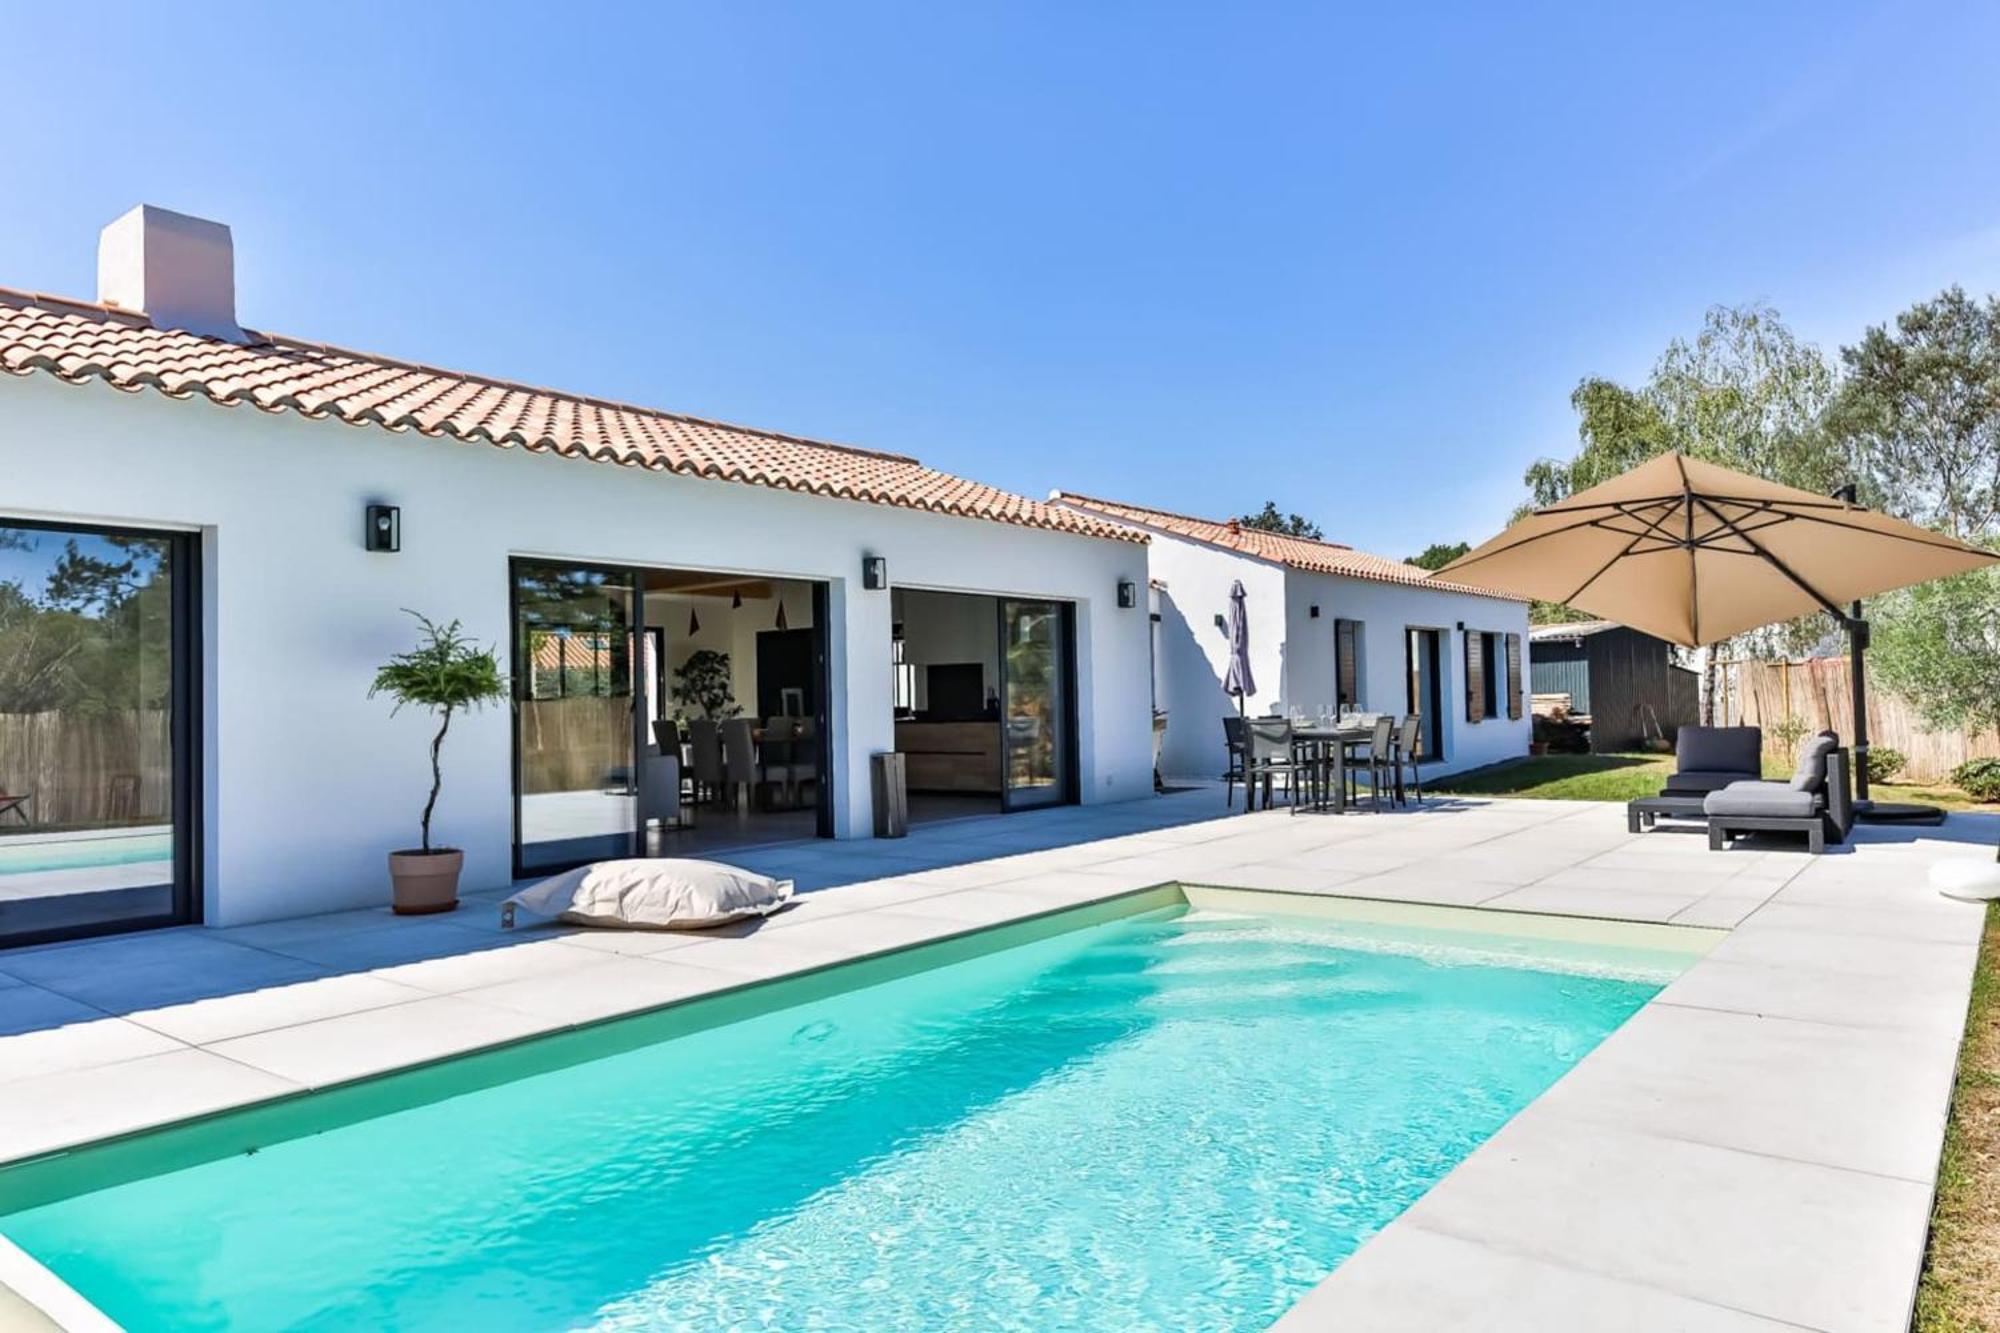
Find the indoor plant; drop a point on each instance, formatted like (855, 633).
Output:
(444, 673)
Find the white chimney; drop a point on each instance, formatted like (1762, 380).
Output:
(179, 270)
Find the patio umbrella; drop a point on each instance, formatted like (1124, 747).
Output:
(1694, 553)
(1239, 681)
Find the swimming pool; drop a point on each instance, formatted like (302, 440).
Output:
(20, 856)
(1181, 1117)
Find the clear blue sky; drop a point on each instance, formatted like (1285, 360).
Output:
(1188, 255)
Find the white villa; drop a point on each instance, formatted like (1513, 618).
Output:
(1330, 627)
(228, 524)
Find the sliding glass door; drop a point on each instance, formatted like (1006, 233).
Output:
(1036, 704)
(575, 736)
(97, 691)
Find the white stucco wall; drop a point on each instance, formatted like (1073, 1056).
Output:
(307, 782)
(1194, 651)
(1292, 653)
(1385, 610)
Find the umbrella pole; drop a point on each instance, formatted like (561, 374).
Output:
(1857, 644)
(1866, 810)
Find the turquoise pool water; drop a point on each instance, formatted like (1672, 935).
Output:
(17, 858)
(1176, 1120)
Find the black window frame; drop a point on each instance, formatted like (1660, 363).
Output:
(185, 731)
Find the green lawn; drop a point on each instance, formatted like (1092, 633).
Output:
(1626, 777)
(1960, 1290)
(1567, 777)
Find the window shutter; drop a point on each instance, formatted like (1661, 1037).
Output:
(1344, 677)
(1514, 677)
(1475, 677)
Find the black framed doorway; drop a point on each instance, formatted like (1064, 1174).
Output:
(611, 662)
(1423, 654)
(100, 763)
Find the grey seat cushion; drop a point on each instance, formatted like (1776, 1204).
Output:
(1809, 774)
(1763, 800)
(1701, 781)
(1736, 750)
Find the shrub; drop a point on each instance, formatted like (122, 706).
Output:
(445, 673)
(1978, 778)
(1884, 763)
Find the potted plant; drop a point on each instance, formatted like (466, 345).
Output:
(444, 673)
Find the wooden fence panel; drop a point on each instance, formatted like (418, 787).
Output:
(1816, 692)
(84, 770)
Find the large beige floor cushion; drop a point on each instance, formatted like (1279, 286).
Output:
(652, 894)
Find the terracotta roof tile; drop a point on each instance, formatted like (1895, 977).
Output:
(1318, 557)
(80, 341)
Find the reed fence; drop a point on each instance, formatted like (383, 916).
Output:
(1816, 691)
(576, 744)
(86, 770)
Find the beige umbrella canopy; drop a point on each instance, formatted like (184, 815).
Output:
(1695, 553)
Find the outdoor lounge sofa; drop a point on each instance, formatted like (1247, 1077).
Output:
(1817, 802)
(1708, 759)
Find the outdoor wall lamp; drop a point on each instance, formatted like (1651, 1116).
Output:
(1220, 623)
(384, 530)
(1128, 594)
(1313, 611)
(874, 572)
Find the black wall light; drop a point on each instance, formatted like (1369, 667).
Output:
(1220, 623)
(1314, 612)
(384, 530)
(1128, 594)
(874, 572)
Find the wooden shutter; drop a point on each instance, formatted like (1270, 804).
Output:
(1344, 677)
(1475, 676)
(1514, 677)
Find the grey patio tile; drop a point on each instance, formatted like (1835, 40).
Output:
(515, 959)
(1606, 898)
(413, 940)
(1691, 881)
(1812, 1245)
(83, 1044)
(1854, 955)
(1939, 921)
(77, 1105)
(200, 1022)
(606, 989)
(25, 1008)
(1812, 1092)
(1283, 878)
(147, 971)
(977, 906)
(1724, 908)
(333, 1050)
(1398, 1283)
(1422, 885)
(1932, 1002)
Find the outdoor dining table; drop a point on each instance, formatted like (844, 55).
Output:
(1319, 761)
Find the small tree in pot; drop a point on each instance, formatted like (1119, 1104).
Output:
(444, 673)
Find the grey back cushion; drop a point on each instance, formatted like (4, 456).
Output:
(1810, 772)
(1719, 750)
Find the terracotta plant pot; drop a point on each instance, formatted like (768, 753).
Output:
(425, 882)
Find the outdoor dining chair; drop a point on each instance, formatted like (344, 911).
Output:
(1269, 758)
(1410, 752)
(1236, 740)
(1379, 759)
